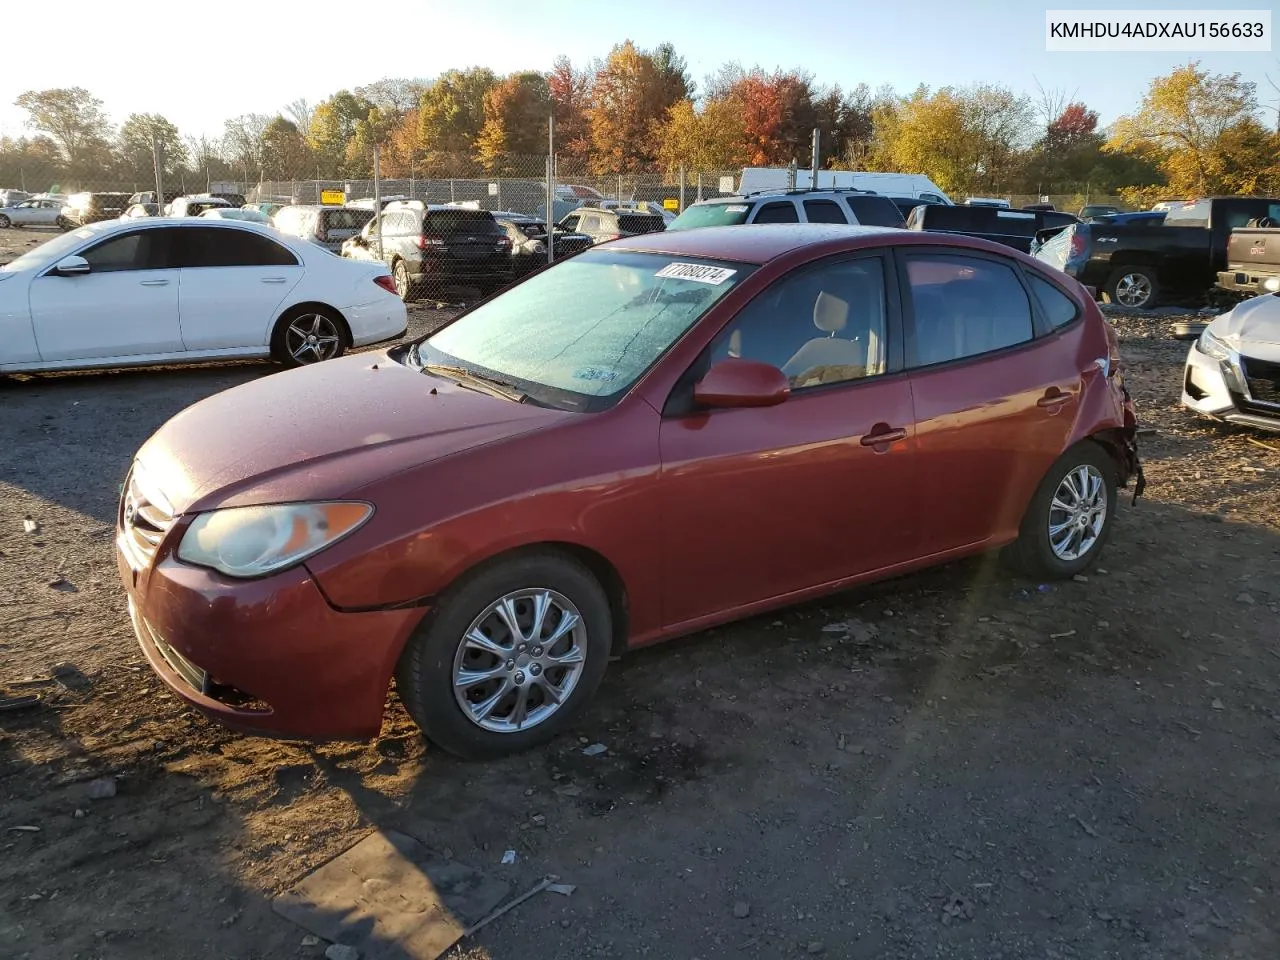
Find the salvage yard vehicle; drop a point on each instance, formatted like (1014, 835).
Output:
(328, 227)
(655, 436)
(1253, 257)
(793, 206)
(1136, 265)
(602, 225)
(1233, 369)
(1012, 228)
(128, 293)
(82, 209)
(31, 213)
(434, 250)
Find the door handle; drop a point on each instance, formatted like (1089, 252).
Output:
(1053, 400)
(154, 283)
(881, 433)
(273, 279)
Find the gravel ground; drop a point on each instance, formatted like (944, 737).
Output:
(958, 764)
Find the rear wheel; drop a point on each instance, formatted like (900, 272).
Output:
(1134, 287)
(1070, 516)
(404, 286)
(5, 223)
(509, 657)
(309, 335)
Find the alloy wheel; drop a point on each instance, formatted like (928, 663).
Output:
(312, 337)
(1133, 290)
(4, 222)
(1077, 513)
(519, 661)
(401, 277)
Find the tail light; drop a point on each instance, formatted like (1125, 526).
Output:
(428, 240)
(386, 283)
(1078, 245)
(504, 244)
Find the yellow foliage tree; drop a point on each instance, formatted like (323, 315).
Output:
(709, 139)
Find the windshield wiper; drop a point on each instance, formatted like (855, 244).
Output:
(470, 378)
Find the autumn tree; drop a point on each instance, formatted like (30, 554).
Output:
(139, 135)
(451, 116)
(515, 124)
(72, 118)
(1199, 128)
(333, 125)
(394, 96)
(630, 97)
(570, 93)
(778, 112)
(702, 139)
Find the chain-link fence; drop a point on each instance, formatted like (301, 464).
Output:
(421, 216)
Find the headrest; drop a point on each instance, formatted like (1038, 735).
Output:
(830, 314)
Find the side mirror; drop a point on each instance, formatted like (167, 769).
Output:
(71, 266)
(742, 383)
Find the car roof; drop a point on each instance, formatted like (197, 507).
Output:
(760, 243)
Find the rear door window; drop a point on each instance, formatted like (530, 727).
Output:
(963, 307)
(823, 211)
(780, 211)
(229, 247)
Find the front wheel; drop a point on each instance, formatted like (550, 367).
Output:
(1134, 287)
(309, 335)
(1070, 516)
(5, 222)
(509, 657)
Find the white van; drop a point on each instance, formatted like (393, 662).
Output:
(887, 184)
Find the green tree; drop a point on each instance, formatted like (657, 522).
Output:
(71, 117)
(451, 116)
(333, 126)
(138, 136)
(285, 155)
(515, 125)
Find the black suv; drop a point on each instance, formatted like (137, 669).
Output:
(432, 250)
(601, 225)
(90, 207)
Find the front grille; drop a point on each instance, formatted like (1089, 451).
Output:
(144, 520)
(1263, 378)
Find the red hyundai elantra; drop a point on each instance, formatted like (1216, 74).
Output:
(655, 436)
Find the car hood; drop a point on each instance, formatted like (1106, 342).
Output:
(1256, 321)
(323, 432)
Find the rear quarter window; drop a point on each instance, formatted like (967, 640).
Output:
(1058, 308)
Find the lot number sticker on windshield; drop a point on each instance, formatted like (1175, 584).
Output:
(697, 272)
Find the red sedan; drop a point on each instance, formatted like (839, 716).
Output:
(658, 435)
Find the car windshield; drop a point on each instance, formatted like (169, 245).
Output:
(50, 250)
(711, 215)
(578, 335)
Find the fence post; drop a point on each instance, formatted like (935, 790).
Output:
(699, 185)
(155, 156)
(551, 188)
(377, 196)
(617, 194)
(682, 175)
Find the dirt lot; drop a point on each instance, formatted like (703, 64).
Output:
(972, 766)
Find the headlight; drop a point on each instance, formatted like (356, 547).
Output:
(252, 541)
(1211, 346)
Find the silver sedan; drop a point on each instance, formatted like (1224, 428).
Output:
(31, 213)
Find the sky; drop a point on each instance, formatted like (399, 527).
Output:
(256, 56)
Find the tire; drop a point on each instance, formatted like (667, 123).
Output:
(404, 286)
(5, 223)
(290, 343)
(1133, 287)
(64, 224)
(1187, 330)
(438, 653)
(1036, 552)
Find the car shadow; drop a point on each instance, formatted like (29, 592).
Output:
(950, 760)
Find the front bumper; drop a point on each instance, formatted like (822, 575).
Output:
(1218, 389)
(265, 656)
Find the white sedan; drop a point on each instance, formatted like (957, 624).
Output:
(31, 213)
(154, 291)
(1233, 370)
